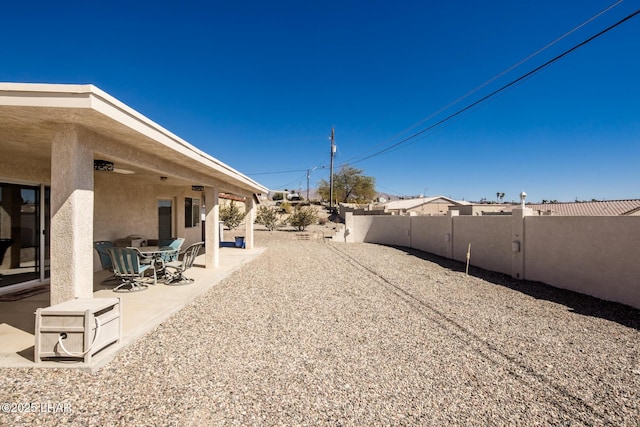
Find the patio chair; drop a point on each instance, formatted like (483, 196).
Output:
(177, 277)
(172, 243)
(128, 268)
(105, 259)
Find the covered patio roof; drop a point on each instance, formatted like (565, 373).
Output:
(31, 115)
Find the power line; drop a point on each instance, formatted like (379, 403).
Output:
(321, 166)
(501, 89)
(287, 171)
(494, 78)
(275, 172)
(516, 65)
(414, 137)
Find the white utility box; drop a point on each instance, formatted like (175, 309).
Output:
(77, 329)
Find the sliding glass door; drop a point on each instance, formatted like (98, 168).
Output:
(24, 237)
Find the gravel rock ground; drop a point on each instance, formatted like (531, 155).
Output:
(320, 333)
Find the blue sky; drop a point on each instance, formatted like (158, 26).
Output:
(259, 85)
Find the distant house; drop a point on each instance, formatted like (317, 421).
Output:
(483, 209)
(438, 205)
(594, 208)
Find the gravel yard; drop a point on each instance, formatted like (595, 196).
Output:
(319, 333)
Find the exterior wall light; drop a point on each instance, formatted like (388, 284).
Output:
(523, 196)
(103, 165)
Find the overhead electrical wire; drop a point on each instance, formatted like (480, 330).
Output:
(414, 137)
(318, 166)
(308, 170)
(499, 90)
(276, 172)
(356, 159)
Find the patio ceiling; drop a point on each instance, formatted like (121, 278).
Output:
(30, 115)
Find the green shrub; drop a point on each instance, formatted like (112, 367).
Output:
(303, 217)
(268, 217)
(231, 215)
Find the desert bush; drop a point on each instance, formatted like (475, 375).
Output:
(231, 215)
(268, 217)
(285, 207)
(303, 217)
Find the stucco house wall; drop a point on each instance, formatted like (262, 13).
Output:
(432, 208)
(136, 211)
(22, 170)
(136, 207)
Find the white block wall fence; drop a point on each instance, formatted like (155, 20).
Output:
(597, 256)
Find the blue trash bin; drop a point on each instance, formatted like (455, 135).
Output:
(239, 241)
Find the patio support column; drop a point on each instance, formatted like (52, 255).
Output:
(71, 216)
(212, 230)
(248, 221)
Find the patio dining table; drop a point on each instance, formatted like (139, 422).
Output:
(155, 253)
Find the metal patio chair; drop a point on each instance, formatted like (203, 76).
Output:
(177, 277)
(101, 247)
(174, 244)
(127, 266)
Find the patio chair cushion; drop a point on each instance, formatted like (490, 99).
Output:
(174, 244)
(101, 247)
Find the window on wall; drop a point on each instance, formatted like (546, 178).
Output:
(191, 212)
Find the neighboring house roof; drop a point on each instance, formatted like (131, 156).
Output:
(597, 208)
(414, 203)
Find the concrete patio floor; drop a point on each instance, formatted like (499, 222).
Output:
(141, 311)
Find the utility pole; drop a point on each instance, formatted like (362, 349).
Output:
(309, 177)
(333, 152)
